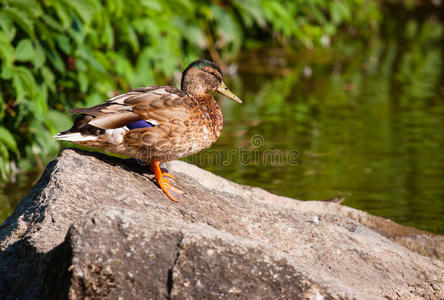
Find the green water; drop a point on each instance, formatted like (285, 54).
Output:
(362, 118)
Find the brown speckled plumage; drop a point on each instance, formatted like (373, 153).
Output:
(185, 120)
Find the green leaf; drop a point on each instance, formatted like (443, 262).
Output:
(56, 61)
(85, 53)
(131, 37)
(3, 172)
(116, 7)
(251, 10)
(109, 36)
(39, 106)
(28, 78)
(19, 86)
(24, 83)
(122, 66)
(339, 12)
(4, 151)
(45, 33)
(151, 5)
(83, 82)
(60, 121)
(21, 18)
(51, 23)
(78, 32)
(30, 7)
(24, 50)
(83, 8)
(7, 26)
(6, 50)
(7, 72)
(64, 15)
(64, 43)
(8, 139)
(48, 78)
(39, 56)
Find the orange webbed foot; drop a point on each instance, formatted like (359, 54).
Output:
(168, 175)
(165, 185)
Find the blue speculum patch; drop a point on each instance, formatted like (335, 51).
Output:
(139, 124)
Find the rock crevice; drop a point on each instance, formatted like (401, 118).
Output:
(170, 281)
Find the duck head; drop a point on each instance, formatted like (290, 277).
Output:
(203, 76)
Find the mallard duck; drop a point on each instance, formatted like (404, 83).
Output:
(158, 123)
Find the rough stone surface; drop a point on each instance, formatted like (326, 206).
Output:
(97, 227)
(122, 253)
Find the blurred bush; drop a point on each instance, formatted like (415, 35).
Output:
(57, 54)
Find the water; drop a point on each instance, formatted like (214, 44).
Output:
(362, 118)
(12, 192)
(389, 166)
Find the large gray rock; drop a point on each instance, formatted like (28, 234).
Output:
(121, 253)
(97, 227)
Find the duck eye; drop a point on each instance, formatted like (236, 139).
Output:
(212, 73)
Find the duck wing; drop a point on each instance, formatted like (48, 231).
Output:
(154, 104)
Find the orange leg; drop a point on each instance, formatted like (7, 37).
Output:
(163, 183)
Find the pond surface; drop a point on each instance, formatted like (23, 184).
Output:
(362, 119)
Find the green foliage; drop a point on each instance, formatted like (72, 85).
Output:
(58, 54)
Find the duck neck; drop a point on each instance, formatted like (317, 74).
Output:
(213, 112)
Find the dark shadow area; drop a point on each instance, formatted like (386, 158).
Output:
(20, 270)
(56, 279)
(128, 164)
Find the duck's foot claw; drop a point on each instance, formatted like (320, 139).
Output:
(165, 184)
(168, 175)
(169, 190)
(174, 189)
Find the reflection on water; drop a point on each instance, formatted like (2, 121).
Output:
(363, 118)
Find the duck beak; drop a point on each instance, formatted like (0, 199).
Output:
(222, 89)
